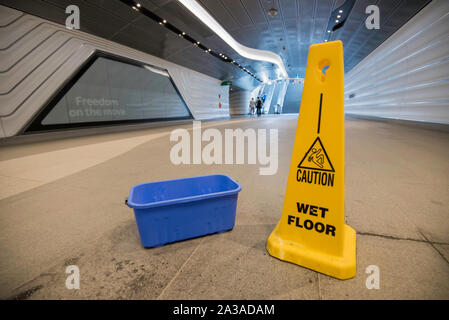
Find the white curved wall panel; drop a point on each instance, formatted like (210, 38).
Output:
(255, 54)
(37, 57)
(406, 77)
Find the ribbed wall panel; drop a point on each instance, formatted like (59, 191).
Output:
(407, 77)
(38, 57)
(239, 102)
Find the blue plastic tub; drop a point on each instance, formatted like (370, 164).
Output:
(174, 210)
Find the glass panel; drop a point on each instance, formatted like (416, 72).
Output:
(111, 90)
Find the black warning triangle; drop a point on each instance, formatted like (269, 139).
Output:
(316, 158)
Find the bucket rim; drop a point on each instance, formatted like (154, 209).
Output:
(134, 205)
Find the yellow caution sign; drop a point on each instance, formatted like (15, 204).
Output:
(312, 230)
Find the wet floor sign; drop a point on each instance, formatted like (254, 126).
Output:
(312, 230)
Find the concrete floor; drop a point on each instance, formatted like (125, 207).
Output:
(62, 203)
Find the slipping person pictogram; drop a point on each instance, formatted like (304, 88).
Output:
(316, 158)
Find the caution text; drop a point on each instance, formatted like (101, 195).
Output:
(315, 177)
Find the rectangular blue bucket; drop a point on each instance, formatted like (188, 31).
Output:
(174, 210)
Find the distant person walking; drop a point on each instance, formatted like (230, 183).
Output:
(259, 106)
(252, 105)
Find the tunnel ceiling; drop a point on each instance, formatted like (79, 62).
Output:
(289, 33)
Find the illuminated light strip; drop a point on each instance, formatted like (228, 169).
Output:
(164, 23)
(338, 18)
(250, 53)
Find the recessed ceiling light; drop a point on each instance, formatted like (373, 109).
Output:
(138, 5)
(339, 16)
(340, 11)
(328, 31)
(183, 33)
(197, 42)
(337, 20)
(272, 12)
(164, 21)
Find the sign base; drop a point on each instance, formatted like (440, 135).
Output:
(340, 267)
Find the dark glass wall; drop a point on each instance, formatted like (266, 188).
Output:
(112, 91)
